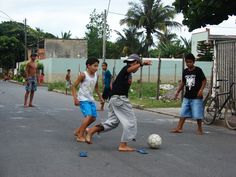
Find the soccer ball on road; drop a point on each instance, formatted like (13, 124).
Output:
(154, 141)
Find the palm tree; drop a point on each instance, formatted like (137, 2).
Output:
(167, 37)
(187, 44)
(65, 35)
(170, 46)
(129, 41)
(152, 16)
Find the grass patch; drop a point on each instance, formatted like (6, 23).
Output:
(57, 86)
(148, 96)
(148, 99)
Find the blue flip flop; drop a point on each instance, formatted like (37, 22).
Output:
(142, 151)
(83, 154)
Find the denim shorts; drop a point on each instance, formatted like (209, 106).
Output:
(192, 108)
(88, 108)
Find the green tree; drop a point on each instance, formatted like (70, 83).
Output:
(170, 46)
(205, 51)
(199, 13)
(8, 50)
(112, 50)
(12, 29)
(66, 35)
(152, 16)
(171, 49)
(94, 34)
(187, 45)
(129, 42)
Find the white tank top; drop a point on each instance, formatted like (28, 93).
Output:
(87, 87)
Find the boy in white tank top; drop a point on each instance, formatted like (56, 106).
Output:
(88, 81)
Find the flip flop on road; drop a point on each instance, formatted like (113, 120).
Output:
(83, 154)
(142, 151)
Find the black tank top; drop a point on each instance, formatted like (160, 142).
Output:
(122, 83)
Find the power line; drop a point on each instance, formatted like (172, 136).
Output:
(116, 13)
(6, 15)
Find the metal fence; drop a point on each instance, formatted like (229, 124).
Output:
(226, 64)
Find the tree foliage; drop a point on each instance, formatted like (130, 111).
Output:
(66, 35)
(129, 41)
(94, 35)
(170, 46)
(152, 16)
(205, 51)
(12, 42)
(199, 13)
(8, 49)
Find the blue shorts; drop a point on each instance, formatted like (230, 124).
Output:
(192, 108)
(31, 84)
(88, 108)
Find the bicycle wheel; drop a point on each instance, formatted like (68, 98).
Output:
(230, 116)
(211, 110)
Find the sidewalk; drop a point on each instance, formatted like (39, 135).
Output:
(175, 112)
(166, 111)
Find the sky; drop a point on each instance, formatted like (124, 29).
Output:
(57, 16)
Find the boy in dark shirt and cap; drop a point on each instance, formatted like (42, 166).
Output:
(120, 109)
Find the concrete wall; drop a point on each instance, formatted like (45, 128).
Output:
(70, 48)
(171, 69)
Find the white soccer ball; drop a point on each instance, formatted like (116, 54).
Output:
(154, 141)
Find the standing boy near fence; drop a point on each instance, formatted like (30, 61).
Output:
(68, 80)
(120, 109)
(194, 81)
(106, 84)
(88, 80)
(31, 80)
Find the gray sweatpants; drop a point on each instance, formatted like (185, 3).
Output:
(121, 111)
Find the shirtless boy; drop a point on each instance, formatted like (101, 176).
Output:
(30, 80)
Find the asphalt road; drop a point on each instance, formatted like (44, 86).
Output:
(39, 142)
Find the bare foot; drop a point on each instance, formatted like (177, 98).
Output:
(25, 106)
(30, 105)
(88, 138)
(80, 139)
(199, 132)
(176, 131)
(126, 149)
(76, 132)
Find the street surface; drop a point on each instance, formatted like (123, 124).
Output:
(39, 142)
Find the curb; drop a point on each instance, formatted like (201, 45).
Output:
(161, 112)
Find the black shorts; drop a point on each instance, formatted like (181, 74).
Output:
(106, 93)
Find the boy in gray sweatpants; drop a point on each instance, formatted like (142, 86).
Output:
(120, 109)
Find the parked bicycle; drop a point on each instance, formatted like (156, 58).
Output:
(213, 108)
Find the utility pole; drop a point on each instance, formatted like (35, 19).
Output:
(158, 78)
(104, 36)
(25, 30)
